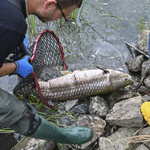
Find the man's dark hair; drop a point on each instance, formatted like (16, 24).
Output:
(68, 3)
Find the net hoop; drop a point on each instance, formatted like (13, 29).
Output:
(36, 44)
(34, 55)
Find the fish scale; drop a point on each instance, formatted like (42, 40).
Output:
(81, 84)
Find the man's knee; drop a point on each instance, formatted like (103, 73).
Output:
(17, 115)
(11, 109)
(5, 105)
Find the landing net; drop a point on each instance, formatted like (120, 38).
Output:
(45, 52)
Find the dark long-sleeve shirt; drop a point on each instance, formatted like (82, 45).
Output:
(12, 29)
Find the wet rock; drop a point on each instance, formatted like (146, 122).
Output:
(105, 144)
(147, 82)
(146, 131)
(146, 97)
(98, 106)
(70, 104)
(35, 144)
(7, 83)
(80, 108)
(145, 73)
(142, 147)
(144, 90)
(126, 113)
(145, 68)
(120, 141)
(143, 40)
(95, 123)
(135, 63)
(120, 94)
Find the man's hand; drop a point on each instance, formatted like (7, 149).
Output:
(23, 67)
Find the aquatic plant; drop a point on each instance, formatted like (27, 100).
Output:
(51, 115)
(77, 11)
(142, 24)
(6, 130)
(31, 24)
(74, 14)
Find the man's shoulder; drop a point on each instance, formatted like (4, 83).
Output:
(11, 18)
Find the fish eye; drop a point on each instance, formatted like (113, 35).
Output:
(126, 79)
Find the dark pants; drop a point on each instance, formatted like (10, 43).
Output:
(15, 114)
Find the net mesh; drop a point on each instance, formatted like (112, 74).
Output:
(45, 52)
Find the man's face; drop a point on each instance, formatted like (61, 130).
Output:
(54, 13)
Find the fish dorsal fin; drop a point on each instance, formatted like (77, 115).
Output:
(105, 71)
(65, 72)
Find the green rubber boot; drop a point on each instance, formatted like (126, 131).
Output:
(69, 135)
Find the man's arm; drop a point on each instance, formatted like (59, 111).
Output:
(21, 67)
(7, 68)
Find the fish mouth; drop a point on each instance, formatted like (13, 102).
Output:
(129, 79)
(132, 80)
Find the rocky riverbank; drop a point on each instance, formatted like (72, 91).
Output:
(114, 118)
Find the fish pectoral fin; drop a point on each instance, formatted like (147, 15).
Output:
(65, 72)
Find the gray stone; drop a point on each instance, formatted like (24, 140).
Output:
(144, 89)
(145, 73)
(70, 104)
(135, 63)
(126, 113)
(142, 147)
(98, 106)
(145, 68)
(35, 144)
(143, 39)
(105, 144)
(95, 123)
(146, 131)
(120, 94)
(7, 83)
(120, 139)
(147, 82)
(146, 98)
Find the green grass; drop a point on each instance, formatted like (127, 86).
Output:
(142, 24)
(6, 130)
(49, 114)
(78, 11)
(74, 14)
(31, 24)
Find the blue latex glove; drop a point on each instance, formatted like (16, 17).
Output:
(26, 43)
(23, 67)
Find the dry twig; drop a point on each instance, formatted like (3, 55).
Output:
(137, 49)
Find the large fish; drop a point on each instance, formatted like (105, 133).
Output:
(81, 84)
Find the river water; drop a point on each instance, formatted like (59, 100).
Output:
(97, 37)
